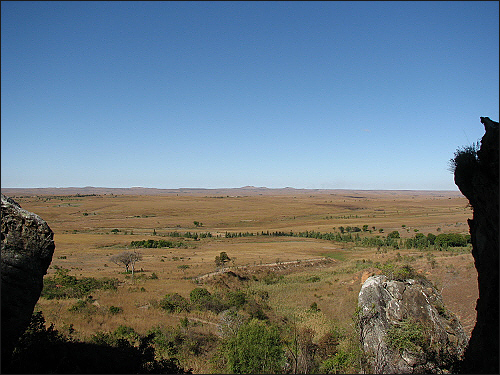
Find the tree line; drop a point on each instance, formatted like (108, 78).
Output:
(348, 234)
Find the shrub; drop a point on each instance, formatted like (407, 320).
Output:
(62, 285)
(314, 279)
(256, 349)
(314, 307)
(115, 310)
(157, 244)
(174, 303)
(408, 335)
(84, 306)
(465, 158)
(272, 278)
(338, 364)
(401, 273)
(451, 240)
(327, 344)
(236, 299)
(199, 294)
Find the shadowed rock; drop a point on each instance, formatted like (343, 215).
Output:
(404, 328)
(476, 175)
(27, 249)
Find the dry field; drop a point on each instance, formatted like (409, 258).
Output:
(85, 242)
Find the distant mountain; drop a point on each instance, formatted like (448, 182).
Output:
(245, 190)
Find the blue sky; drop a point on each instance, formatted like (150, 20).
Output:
(348, 95)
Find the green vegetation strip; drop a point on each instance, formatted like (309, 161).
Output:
(62, 285)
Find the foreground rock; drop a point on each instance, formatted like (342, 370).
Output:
(27, 249)
(404, 328)
(476, 175)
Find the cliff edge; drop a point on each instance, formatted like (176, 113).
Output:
(476, 175)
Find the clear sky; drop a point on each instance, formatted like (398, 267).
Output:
(348, 95)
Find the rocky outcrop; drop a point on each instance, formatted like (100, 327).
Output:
(476, 175)
(405, 328)
(27, 249)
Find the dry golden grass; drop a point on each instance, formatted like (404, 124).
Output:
(82, 227)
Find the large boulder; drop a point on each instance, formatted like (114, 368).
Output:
(476, 175)
(27, 249)
(405, 328)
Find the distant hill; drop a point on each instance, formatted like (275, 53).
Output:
(243, 191)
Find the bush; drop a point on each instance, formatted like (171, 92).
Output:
(451, 240)
(256, 349)
(466, 159)
(199, 294)
(62, 285)
(148, 244)
(236, 299)
(272, 278)
(336, 364)
(314, 307)
(314, 279)
(84, 306)
(401, 273)
(174, 303)
(408, 335)
(115, 310)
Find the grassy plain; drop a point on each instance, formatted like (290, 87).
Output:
(90, 229)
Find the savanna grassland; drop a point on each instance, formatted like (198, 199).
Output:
(309, 281)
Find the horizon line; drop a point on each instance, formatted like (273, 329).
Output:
(227, 188)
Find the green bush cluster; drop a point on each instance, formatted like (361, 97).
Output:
(174, 302)
(272, 278)
(195, 235)
(399, 272)
(181, 342)
(265, 347)
(62, 285)
(153, 244)
(441, 241)
(238, 234)
(257, 348)
(113, 310)
(202, 300)
(409, 334)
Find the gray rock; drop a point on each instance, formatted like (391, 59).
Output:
(394, 306)
(27, 249)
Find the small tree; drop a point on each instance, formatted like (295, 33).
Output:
(393, 234)
(222, 259)
(128, 259)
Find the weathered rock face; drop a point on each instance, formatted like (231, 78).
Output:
(404, 327)
(477, 179)
(27, 249)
